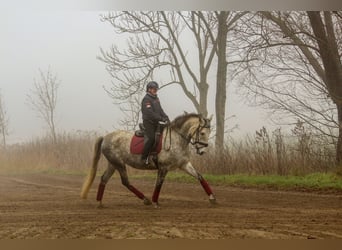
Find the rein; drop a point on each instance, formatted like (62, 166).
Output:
(168, 131)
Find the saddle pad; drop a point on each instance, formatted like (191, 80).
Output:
(137, 145)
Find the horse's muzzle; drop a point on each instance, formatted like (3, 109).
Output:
(200, 147)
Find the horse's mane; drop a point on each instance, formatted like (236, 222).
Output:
(179, 121)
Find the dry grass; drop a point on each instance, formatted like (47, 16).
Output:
(72, 152)
(263, 154)
(272, 154)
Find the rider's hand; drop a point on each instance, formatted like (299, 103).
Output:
(166, 120)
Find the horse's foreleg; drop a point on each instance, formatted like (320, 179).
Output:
(125, 182)
(188, 168)
(159, 183)
(207, 189)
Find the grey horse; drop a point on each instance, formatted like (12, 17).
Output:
(184, 130)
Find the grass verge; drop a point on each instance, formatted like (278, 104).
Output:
(311, 182)
(322, 182)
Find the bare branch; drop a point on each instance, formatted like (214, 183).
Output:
(43, 99)
(284, 71)
(4, 122)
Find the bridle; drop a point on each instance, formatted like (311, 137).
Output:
(196, 141)
(194, 138)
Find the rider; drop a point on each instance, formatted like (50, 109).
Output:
(152, 113)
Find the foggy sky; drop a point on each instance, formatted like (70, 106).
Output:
(68, 42)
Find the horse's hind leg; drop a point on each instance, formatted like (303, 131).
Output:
(124, 180)
(104, 179)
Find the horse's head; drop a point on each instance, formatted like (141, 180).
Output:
(195, 129)
(200, 134)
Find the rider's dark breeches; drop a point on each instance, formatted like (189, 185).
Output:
(149, 138)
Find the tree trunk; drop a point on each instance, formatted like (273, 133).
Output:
(328, 50)
(220, 100)
(339, 140)
(4, 138)
(52, 126)
(203, 107)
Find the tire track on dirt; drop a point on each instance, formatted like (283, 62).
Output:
(48, 206)
(21, 181)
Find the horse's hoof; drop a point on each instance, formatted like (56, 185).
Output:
(147, 202)
(212, 199)
(156, 205)
(100, 206)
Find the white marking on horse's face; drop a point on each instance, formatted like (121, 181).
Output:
(204, 134)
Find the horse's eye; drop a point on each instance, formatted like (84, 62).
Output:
(202, 133)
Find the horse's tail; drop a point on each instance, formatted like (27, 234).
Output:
(91, 176)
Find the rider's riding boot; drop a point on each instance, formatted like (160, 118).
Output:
(144, 160)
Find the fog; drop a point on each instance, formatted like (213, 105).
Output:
(68, 42)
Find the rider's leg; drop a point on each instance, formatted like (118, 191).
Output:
(148, 140)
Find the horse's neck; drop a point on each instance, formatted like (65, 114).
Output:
(187, 130)
(190, 126)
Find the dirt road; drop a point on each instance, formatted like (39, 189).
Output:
(49, 207)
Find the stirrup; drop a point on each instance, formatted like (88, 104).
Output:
(146, 161)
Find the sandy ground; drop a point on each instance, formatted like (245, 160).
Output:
(49, 207)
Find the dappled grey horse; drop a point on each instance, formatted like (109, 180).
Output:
(186, 129)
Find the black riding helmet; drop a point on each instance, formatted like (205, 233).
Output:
(152, 85)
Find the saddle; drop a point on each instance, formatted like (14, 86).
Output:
(137, 141)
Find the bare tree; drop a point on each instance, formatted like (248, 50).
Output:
(158, 46)
(131, 110)
(226, 22)
(4, 121)
(330, 50)
(43, 99)
(294, 68)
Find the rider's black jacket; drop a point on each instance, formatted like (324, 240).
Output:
(151, 109)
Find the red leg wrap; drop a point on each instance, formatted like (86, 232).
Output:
(136, 192)
(206, 187)
(155, 196)
(156, 193)
(100, 191)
